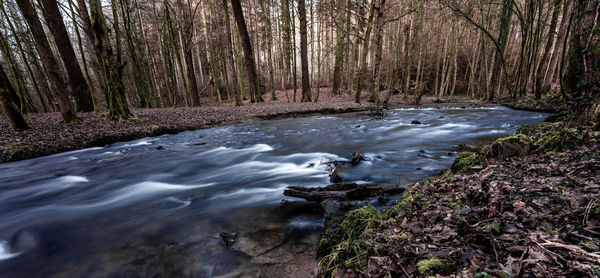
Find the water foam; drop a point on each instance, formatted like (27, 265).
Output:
(5, 251)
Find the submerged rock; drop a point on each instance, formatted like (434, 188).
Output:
(358, 157)
(228, 238)
(415, 122)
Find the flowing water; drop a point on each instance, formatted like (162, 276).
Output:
(155, 207)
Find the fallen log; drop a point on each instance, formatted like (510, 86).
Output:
(343, 191)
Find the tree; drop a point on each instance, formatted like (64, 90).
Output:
(255, 87)
(57, 85)
(362, 65)
(118, 109)
(583, 77)
(7, 92)
(306, 97)
(230, 47)
(339, 54)
(79, 87)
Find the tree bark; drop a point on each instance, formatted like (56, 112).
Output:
(57, 84)
(339, 55)
(365, 51)
(583, 77)
(230, 47)
(7, 103)
(255, 87)
(79, 87)
(117, 103)
(306, 95)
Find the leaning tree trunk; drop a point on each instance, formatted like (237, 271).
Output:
(306, 97)
(57, 84)
(117, 103)
(8, 105)
(255, 88)
(583, 77)
(79, 87)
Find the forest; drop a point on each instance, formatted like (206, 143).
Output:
(82, 56)
(300, 138)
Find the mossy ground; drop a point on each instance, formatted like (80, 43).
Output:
(477, 220)
(465, 161)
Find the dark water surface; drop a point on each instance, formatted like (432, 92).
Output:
(132, 210)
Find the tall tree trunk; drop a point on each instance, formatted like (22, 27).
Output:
(583, 77)
(79, 87)
(117, 103)
(57, 84)
(365, 51)
(505, 19)
(339, 54)
(255, 87)
(86, 70)
(8, 105)
(306, 95)
(188, 34)
(230, 47)
(556, 52)
(89, 35)
(539, 88)
(378, 47)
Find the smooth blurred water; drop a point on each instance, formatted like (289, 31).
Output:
(132, 210)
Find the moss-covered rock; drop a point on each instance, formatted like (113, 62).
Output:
(465, 161)
(516, 145)
(407, 202)
(557, 141)
(541, 127)
(330, 234)
(360, 220)
(433, 264)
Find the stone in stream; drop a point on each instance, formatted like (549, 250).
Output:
(415, 122)
(228, 238)
(358, 157)
(340, 171)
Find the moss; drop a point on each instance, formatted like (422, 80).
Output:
(406, 203)
(590, 246)
(156, 130)
(544, 126)
(433, 264)
(516, 145)
(557, 141)
(99, 140)
(455, 205)
(558, 117)
(358, 221)
(465, 161)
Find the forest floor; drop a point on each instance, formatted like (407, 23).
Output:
(526, 205)
(48, 135)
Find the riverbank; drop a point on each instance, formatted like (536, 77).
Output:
(526, 204)
(49, 136)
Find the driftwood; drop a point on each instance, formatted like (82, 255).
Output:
(343, 191)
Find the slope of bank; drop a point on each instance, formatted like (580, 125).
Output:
(527, 204)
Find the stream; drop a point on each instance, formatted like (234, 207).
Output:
(155, 207)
